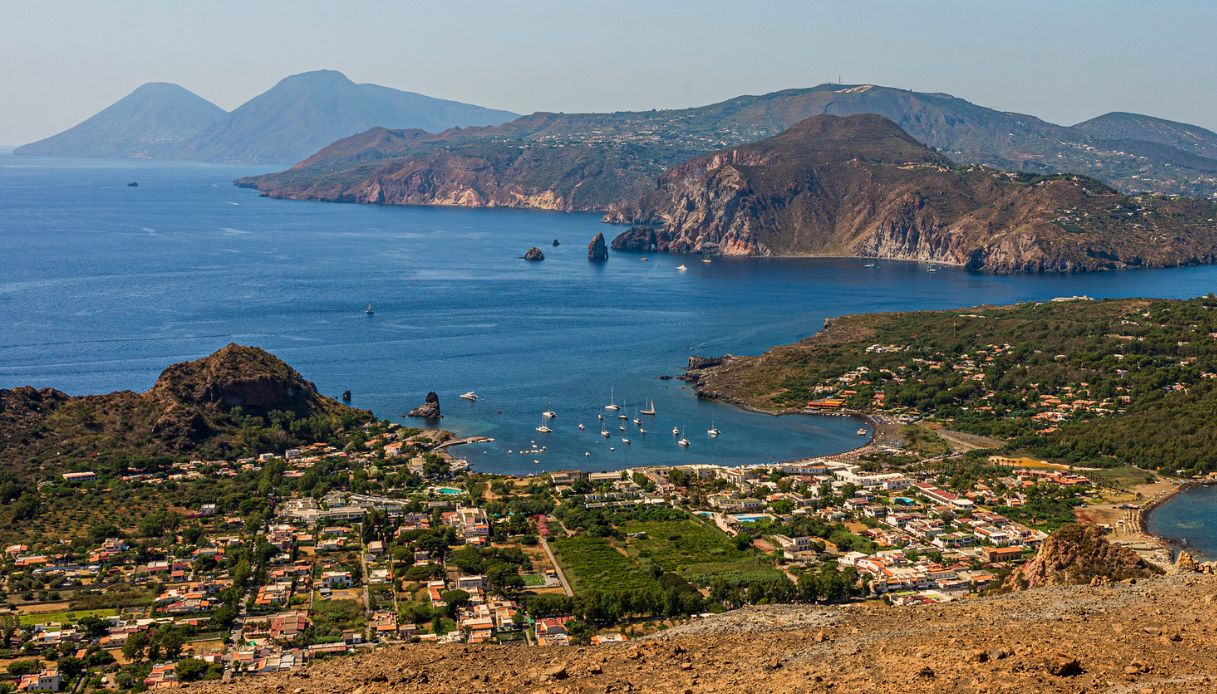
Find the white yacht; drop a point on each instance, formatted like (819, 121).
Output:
(684, 443)
(604, 432)
(862, 431)
(625, 441)
(581, 427)
(469, 396)
(649, 409)
(543, 427)
(612, 401)
(713, 430)
(705, 261)
(681, 268)
(369, 311)
(676, 431)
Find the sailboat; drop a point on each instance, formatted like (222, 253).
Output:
(612, 401)
(370, 311)
(681, 268)
(676, 431)
(604, 432)
(649, 409)
(705, 261)
(625, 441)
(642, 430)
(637, 421)
(713, 430)
(684, 443)
(549, 411)
(621, 428)
(543, 427)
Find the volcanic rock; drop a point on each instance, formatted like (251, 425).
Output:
(429, 409)
(1076, 554)
(597, 250)
(534, 254)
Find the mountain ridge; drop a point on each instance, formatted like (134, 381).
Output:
(859, 185)
(294, 118)
(593, 161)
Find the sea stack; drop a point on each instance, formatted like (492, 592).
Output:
(555, 243)
(597, 250)
(534, 254)
(429, 409)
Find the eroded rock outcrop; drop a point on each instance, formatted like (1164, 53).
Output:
(597, 250)
(1079, 554)
(534, 254)
(429, 409)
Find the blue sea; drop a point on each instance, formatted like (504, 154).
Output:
(1188, 519)
(104, 285)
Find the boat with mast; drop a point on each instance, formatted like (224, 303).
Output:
(612, 405)
(543, 427)
(713, 430)
(683, 442)
(649, 409)
(370, 310)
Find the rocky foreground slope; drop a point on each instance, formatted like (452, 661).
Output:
(1155, 635)
(861, 186)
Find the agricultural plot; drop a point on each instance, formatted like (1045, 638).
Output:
(694, 550)
(592, 563)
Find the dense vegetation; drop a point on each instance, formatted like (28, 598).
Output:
(1094, 383)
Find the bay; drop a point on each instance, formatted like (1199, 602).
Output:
(104, 285)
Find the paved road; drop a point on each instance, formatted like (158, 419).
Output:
(557, 569)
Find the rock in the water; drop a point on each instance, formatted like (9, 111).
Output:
(429, 409)
(555, 243)
(597, 250)
(534, 254)
(637, 239)
(346, 396)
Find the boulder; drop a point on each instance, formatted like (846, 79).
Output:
(555, 243)
(429, 409)
(597, 250)
(534, 254)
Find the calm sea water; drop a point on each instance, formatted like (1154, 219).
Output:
(1189, 518)
(104, 285)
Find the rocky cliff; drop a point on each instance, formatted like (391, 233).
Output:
(861, 186)
(1077, 554)
(209, 406)
(597, 250)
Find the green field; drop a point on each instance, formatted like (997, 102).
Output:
(591, 562)
(533, 580)
(698, 552)
(65, 616)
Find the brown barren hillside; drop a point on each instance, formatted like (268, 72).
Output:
(1155, 635)
(861, 186)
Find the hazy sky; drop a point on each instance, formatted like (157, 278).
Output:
(1061, 60)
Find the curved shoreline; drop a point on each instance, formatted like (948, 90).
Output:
(1140, 517)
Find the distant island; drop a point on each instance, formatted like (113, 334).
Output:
(292, 120)
(595, 161)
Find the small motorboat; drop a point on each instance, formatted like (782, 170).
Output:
(600, 417)
(581, 427)
(587, 454)
(604, 433)
(705, 261)
(645, 259)
(684, 443)
(681, 268)
(625, 441)
(642, 430)
(549, 414)
(469, 396)
(863, 432)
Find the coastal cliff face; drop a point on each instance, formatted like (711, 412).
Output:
(860, 186)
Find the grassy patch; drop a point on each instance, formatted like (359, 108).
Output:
(65, 616)
(694, 550)
(591, 562)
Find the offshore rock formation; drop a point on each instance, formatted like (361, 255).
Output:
(534, 254)
(597, 251)
(1078, 554)
(860, 186)
(194, 407)
(429, 409)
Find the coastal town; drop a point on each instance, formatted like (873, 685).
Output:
(324, 551)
